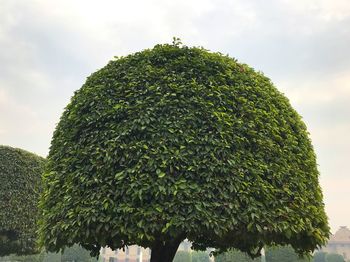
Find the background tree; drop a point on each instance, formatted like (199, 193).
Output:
(174, 143)
(283, 254)
(235, 256)
(51, 257)
(20, 187)
(77, 254)
(182, 256)
(319, 256)
(332, 257)
(200, 256)
(25, 258)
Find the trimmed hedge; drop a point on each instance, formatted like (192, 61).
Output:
(20, 187)
(177, 142)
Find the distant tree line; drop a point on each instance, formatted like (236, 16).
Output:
(195, 256)
(274, 254)
(72, 254)
(279, 254)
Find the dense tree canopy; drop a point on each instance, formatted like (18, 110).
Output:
(176, 142)
(20, 187)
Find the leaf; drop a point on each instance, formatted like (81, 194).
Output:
(161, 174)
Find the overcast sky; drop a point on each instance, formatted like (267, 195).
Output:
(48, 48)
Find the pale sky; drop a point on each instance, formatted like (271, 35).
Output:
(48, 48)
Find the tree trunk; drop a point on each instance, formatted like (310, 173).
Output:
(165, 251)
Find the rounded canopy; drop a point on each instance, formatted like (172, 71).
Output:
(177, 142)
(20, 187)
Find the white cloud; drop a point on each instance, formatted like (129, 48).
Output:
(336, 192)
(324, 9)
(314, 92)
(16, 118)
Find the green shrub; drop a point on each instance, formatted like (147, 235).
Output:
(76, 254)
(20, 187)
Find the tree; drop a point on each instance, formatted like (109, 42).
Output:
(51, 257)
(235, 256)
(26, 258)
(20, 187)
(319, 256)
(174, 143)
(283, 254)
(200, 256)
(77, 254)
(332, 257)
(182, 256)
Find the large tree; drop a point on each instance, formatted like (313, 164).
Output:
(20, 188)
(177, 142)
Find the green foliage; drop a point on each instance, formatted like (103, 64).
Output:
(182, 256)
(77, 254)
(51, 257)
(235, 256)
(20, 187)
(332, 257)
(283, 254)
(27, 258)
(177, 142)
(319, 257)
(72, 254)
(200, 256)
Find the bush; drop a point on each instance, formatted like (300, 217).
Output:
(77, 254)
(20, 187)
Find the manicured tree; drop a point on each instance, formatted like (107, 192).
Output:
(20, 187)
(176, 142)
